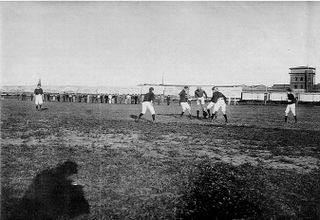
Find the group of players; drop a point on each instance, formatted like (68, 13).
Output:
(217, 102)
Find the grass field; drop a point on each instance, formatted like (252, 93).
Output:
(254, 167)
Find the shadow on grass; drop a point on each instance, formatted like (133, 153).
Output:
(133, 117)
(143, 118)
(175, 115)
(50, 196)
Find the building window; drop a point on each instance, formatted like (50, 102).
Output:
(301, 78)
(296, 78)
(295, 86)
(301, 86)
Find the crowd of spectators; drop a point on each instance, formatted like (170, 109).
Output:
(94, 98)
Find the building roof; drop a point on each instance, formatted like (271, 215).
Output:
(302, 67)
(280, 85)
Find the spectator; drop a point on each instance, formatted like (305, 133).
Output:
(168, 99)
(110, 98)
(101, 98)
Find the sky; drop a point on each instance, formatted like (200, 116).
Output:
(128, 43)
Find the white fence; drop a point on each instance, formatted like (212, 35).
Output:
(231, 92)
(309, 97)
(279, 96)
(251, 96)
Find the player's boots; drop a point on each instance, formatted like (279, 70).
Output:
(285, 118)
(153, 118)
(212, 116)
(208, 113)
(37, 107)
(181, 114)
(139, 117)
(226, 118)
(198, 112)
(295, 119)
(205, 114)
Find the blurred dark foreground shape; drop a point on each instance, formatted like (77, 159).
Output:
(52, 196)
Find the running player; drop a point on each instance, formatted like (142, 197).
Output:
(218, 101)
(291, 105)
(200, 95)
(147, 103)
(38, 93)
(184, 98)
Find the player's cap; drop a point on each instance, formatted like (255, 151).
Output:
(186, 87)
(151, 89)
(289, 89)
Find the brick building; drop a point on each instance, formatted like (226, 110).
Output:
(302, 78)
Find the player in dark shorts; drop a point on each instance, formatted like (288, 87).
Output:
(291, 105)
(147, 104)
(184, 98)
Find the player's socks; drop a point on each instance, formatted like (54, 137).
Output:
(295, 119)
(198, 112)
(40, 107)
(225, 117)
(37, 107)
(213, 116)
(181, 114)
(153, 117)
(208, 113)
(285, 118)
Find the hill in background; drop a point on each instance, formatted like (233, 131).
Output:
(74, 89)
